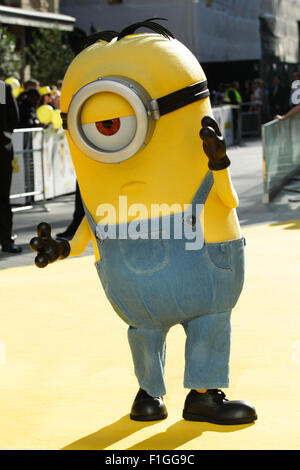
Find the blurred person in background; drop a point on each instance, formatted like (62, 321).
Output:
(28, 85)
(247, 94)
(233, 97)
(55, 98)
(9, 120)
(247, 91)
(257, 94)
(27, 109)
(257, 98)
(59, 84)
(32, 83)
(277, 97)
(46, 95)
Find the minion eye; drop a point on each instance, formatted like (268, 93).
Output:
(117, 139)
(108, 127)
(111, 135)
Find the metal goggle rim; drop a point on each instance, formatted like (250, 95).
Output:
(147, 111)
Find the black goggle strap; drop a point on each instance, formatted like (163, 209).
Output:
(184, 96)
(168, 103)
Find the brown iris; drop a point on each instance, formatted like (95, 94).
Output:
(108, 127)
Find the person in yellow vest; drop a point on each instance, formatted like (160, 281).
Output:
(233, 97)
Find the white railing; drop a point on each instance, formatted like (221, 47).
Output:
(42, 167)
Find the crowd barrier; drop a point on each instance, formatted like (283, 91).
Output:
(247, 122)
(250, 121)
(281, 154)
(42, 167)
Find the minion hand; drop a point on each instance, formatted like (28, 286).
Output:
(214, 145)
(48, 249)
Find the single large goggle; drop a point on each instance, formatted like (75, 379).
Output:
(115, 140)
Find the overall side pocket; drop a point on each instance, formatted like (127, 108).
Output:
(219, 255)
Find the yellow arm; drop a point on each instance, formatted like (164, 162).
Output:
(225, 189)
(81, 238)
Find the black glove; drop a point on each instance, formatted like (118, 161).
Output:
(214, 145)
(48, 249)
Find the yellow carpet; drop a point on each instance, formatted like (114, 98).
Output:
(67, 380)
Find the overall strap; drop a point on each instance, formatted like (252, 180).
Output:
(203, 191)
(89, 217)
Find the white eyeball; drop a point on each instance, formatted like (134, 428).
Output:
(113, 140)
(111, 135)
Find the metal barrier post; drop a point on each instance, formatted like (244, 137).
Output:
(250, 120)
(43, 173)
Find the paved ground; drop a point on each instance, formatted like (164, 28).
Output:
(247, 175)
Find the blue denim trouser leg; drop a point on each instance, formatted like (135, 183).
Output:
(148, 349)
(207, 351)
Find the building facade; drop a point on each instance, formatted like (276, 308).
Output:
(253, 38)
(21, 17)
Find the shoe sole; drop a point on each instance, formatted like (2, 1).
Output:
(193, 417)
(147, 418)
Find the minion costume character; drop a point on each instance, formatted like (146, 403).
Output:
(133, 105)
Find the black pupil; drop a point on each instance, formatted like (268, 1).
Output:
(107, 124)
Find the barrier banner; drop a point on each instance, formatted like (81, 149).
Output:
(42, 164)
(48, 157)
(18, 177)
(64, 178)
(223, 116)
(36, 171)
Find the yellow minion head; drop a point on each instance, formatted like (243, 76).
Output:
(132, 105)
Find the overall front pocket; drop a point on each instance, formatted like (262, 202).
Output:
(145, 255)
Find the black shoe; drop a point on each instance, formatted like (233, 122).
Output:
(10, 247)
(213, 407)
(147, 408)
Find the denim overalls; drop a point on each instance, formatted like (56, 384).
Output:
(154, 282)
